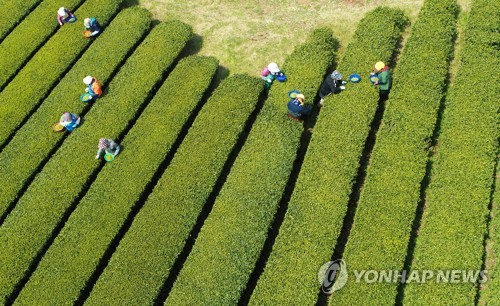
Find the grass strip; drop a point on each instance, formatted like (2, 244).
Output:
(388, 202)
(35, 80)
(233, 235)
(17, 10)
(35, 141)
(329, 169)
(162, 227)
(75, 253)
(454, 221)
(64, 178)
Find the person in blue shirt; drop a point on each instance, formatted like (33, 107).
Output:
(92, 25)
(297, 108)
(69, 121)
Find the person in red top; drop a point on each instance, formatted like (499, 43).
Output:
(93, 87)
(64, 15)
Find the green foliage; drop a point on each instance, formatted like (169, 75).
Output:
(380, 234)
(14, 12)
(34, 141)
(63, 273)
(35, 80)
(454, 222)
(51, 194)
(232, 237)
(319, 202)
(32, 33)
(489, 292)
(164, 223)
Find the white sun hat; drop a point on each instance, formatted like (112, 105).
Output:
(61, 11)
(273, 67)
(87, 80)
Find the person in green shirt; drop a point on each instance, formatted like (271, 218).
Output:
(384, 82)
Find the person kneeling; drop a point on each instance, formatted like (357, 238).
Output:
(69, 121)
(297, 109)
(108, 146)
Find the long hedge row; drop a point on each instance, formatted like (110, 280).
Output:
(147, 253)
(491, 290)
(28, 36)
(319, 202)
(386, 210)
(454, 222)
(43, 71)
(233, 235)
(17, 10)
(64, 177)
(75, 254)
(33, 143)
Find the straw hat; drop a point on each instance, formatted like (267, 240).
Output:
(379, 66)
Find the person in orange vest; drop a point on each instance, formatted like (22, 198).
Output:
(93, 87)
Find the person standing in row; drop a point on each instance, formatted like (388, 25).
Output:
(332, 84)
(384, 82)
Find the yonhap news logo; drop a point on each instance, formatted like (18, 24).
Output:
(333, 276)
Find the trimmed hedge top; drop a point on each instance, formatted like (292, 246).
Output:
(319, 202)
(50, 196)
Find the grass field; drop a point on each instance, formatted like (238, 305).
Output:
(246, 35)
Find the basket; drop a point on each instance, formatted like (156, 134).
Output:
(87, 34)
(109, 157)
(86, 97)
(373, 78)
(293, 93)
(57, 127)
(281, 77)
(355, 78)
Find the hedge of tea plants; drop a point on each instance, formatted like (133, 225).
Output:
(75, 254)
(319, 202)
(35, 30)
(34, 142)
(388, 202)
(44, 205)
(146, 255)
(233, 235)
(17, 10)
(43, 71)
(453, 226)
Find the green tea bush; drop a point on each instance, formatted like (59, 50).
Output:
(63, 273)
(454, 222)
(33, 143)
(35, 30)
(17, 10)
(46, 67)
(163, 225)
(490, 291)
(233, 235)
(319, 202)
(64, 177)
(388, 202)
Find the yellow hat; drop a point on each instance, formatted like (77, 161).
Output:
(379, 66)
